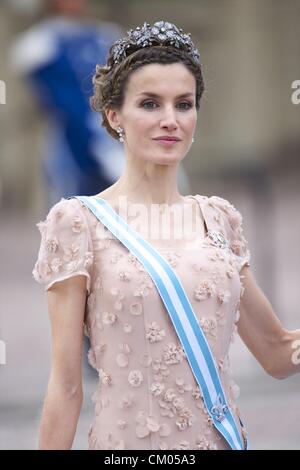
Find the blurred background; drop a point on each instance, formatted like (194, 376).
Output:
(247, 150)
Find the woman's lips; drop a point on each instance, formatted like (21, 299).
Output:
(167, 143)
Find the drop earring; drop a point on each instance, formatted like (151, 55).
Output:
(193, 140)
(120, 131)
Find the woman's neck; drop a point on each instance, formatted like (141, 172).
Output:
(159, 188)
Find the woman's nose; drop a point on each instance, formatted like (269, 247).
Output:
(169, 118)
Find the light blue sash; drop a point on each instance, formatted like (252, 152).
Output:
(185, 322)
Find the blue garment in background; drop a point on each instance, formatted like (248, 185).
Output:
(58, 58)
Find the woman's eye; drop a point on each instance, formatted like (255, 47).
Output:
(187, 105)
(146, 103)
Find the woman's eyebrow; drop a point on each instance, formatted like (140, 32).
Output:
(155, 95)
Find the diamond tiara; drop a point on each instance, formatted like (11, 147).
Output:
(162, 33)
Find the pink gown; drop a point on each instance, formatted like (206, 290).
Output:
(147, 396)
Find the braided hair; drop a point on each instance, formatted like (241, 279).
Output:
(110, 80)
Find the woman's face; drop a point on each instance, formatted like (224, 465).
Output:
(159, 101)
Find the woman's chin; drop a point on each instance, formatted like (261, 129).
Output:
(166, 160)
(162, 157)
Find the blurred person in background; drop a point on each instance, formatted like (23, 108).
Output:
(57, 57)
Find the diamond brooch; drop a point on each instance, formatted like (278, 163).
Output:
(217, 239)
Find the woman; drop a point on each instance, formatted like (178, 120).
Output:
(148, 395)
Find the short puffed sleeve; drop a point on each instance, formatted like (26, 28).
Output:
(232, 222)
(66, 247)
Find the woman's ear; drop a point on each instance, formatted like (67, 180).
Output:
(113, 118)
